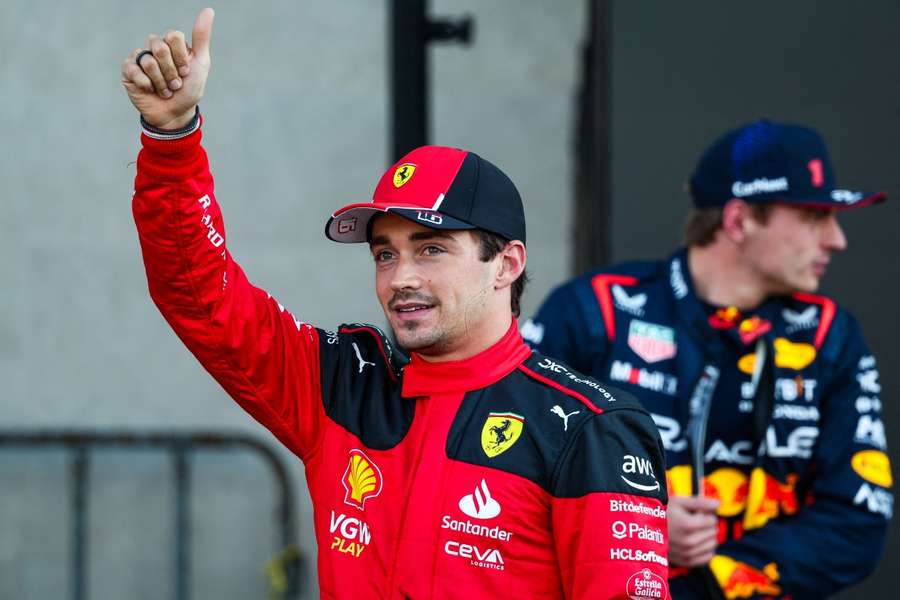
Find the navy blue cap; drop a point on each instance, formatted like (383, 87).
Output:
(766, 162)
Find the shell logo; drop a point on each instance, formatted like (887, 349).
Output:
(873, 466)
(362, 479)
(403, 173)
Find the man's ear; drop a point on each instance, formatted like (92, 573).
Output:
(512, 264)
(737, 220)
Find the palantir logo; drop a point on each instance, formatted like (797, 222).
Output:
(480, 504)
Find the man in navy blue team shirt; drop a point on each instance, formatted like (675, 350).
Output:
(765, 394)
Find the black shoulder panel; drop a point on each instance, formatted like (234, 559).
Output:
(619, 451)
(512, 426)
(560, 429)
(360, 388)
(600, 396)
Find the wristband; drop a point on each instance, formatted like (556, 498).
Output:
(172, 134)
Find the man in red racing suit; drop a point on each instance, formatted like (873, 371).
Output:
(474, 469)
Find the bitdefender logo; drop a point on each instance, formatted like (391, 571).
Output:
(480, 504)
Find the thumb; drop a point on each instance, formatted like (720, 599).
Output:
(202, 33)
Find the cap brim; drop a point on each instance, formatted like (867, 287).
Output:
(839, 200)
(350, 224)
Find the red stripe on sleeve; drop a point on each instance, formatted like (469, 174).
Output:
(583, 399)
(601, 285)
(825, 319)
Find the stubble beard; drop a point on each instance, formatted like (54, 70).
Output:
(416, 337)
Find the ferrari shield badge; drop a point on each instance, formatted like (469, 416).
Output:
(500, 432)
(403, 173)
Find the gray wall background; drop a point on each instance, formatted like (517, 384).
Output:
(296, 115)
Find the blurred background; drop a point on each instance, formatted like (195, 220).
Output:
(596, 109)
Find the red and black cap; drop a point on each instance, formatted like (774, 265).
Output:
(440, 188)
(767, 162)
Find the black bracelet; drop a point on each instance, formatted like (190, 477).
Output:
(172, 134)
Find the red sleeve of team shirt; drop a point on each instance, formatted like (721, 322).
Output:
(267, 360)
(609, 511)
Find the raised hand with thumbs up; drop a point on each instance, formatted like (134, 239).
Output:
(165, 79)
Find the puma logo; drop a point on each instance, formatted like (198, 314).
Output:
(559, 412)
(362, 362)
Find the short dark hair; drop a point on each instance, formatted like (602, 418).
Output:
(491, 245)
(703, 223)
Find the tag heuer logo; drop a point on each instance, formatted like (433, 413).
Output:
(362, 479)
(651, 342)
(403, 173)
(500, 432)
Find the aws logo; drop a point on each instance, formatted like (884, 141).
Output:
(641, 467)
(362, 479)
(403, 174)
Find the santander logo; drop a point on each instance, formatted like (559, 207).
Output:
(480, 504)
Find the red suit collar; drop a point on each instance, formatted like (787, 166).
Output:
(423, 378)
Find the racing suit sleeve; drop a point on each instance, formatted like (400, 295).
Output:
(837, 539)
(568, 326)
(609, 510)
(267, 360)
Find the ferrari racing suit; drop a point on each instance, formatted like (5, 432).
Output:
(503, 475)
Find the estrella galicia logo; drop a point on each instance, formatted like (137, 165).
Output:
(403, 174)
(500, 432)
(636, 467)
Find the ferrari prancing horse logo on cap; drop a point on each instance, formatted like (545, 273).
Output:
(403, 173)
